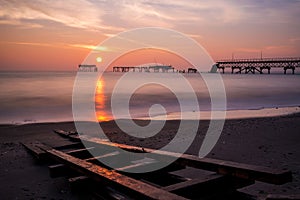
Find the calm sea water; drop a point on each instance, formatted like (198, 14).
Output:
(47, 96)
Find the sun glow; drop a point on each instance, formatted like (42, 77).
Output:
(99, 59)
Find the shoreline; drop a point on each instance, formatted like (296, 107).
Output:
(244, 114)
(204, 115)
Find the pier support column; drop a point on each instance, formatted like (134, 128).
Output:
(219, 68)
(240, 70)
(286, 68)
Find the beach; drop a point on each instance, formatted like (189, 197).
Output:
(265, 141)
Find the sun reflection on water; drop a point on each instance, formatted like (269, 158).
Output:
(100, 98)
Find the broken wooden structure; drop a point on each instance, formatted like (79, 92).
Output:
(87, 68)
(189, 177)
(155, 68)
(192, 70)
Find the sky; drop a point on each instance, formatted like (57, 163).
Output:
(58, 35)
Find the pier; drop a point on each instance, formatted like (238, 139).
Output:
(156, 68)
(258, 65)
(87, 68)
(192, 70)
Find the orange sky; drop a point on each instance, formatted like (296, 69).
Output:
(58, 35)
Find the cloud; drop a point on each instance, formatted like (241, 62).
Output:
(248, 50)
(91, 47)
(215, 12)
(277, 47)
(116, 15)
(294, 40)
(203, 11)
(109, 35)
(39, 44)
(141, 14)
(61, 45)
(78, 14)
(195, 35)
(29, 43)
(256, 50)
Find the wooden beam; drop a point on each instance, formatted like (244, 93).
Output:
(77, 179)
(69, 146)
(135, 165)
(213, 186)
(78, 150)
(97, 173)
(193, 183)
(66, 134)
(282, 197)
(240, 170)
(78, 182)
(34, 150)
(213, 183)
(84, 183)
(81, 153)
(57, 170)
(102, 156)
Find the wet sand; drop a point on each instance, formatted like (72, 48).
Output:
(271, 142)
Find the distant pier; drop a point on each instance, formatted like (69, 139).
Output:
(87, 68)
(156, 68)
(262, 65)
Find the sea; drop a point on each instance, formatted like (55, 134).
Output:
(33, 97)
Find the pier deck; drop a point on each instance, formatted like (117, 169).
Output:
(258, 65)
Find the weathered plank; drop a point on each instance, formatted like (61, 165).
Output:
(57, 170)
(34, 150)
(193, 183)
(250, 172)
(283, 197)
(83, 183)
(240, 170)
(77, 179)
(72, 137)
(95, 172)
(102, 156)
(208, 186)
(69, 146)
(81, 153)
(137, 164)
(78, 150)
(78, 182)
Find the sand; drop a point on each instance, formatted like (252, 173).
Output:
(271, 142)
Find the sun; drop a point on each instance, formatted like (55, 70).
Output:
(99, 59)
